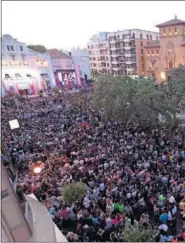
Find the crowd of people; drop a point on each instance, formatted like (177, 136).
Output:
(134, 177)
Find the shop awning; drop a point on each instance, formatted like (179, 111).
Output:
(22, 86)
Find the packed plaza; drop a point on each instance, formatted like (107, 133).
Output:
(132, 176)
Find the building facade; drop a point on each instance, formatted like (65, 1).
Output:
(120, 52)
(169, 52)
(127, 51)
(66, 72)
(98, 50)
(81, 59)
(24, 71)
(14, 226)
(25, 221)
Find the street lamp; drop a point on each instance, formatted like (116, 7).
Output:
(37, 168)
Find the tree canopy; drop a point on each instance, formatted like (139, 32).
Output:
(137, 234)
(73, 192)
(127, 100)
(38, 48)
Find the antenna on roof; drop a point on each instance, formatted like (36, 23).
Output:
(175, 16)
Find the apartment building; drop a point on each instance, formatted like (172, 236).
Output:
(126, 51)
(24, 71)
(98, 49)
(169, 52)
(14, 225)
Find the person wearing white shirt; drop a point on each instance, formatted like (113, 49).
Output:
(102, 187)
(163, 227)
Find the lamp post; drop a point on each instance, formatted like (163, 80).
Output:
(37, 168)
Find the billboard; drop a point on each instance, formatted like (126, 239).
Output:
(66, 78)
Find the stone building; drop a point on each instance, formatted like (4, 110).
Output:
(168, 52)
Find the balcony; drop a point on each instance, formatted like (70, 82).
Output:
(43, 227)
(128, 47)
(128, 55)
(114, 61)
(129, 69)
(127, 40)
(114, 55)
(128, 62)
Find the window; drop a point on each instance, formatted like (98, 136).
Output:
(142, 52)
(23, 58)
(143, 66)
(150, 37)
(157, 38)
(175, 30)
(17, 75)
(28, 75)
(107, 64)
(157, 51)
(12, 48)
(7, 75)
(148, 52)
(13, 57)
(141, 43)
(164, 31)
(152, 52)
(142, 59)
(170, 31)
(8, 48)
(147, 36)
(141, 36)
(4, 193)
(133, 36)
(21, 48)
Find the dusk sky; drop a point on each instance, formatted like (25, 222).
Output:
(68, 24)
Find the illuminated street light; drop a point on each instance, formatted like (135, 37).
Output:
(37, 170)
(37, 167)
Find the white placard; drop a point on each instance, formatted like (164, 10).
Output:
(14, 124)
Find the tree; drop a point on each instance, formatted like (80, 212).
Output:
(94, 74)
(137, 234)
(142, 101)
(73, 192)
(122, 99)
(38, 48)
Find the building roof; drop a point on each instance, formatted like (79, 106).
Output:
(58, 54)
(152, 44)
(174, 21)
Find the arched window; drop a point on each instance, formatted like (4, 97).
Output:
(170, 64)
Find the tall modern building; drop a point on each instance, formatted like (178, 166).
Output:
(98, 49)
(169, 52)
(24, 71)
(126, 50)
(120, 52)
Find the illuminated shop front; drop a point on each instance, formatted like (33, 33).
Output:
(21, 81)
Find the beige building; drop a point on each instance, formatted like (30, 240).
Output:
(14, 225)
(120, 52)
(98, 50)
(126, 50)
(169, 52)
